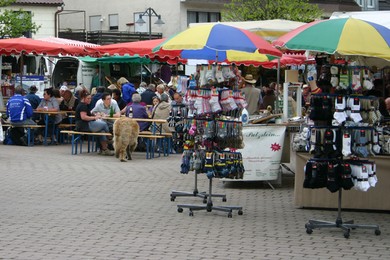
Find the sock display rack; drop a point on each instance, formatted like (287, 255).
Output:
(343, 138)
(212, 135)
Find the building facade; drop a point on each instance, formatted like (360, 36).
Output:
(44, 14)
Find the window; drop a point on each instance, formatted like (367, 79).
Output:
(23, 15)
(113, 20)
(202, 17)
(359, 2)
(94, 23)
(370, 3)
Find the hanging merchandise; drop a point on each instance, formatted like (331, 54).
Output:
(344, 78)
(244, 116)
(334, 80)
(214, 101)
(340, 106)
(219, 74)
(354, 105)
(356, 81)
(367, 81)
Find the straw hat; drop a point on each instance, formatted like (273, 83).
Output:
(249, 78)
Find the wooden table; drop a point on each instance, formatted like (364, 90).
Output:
(46, 119)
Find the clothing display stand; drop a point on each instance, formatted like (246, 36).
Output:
(345, 226)
(209, 207)
(195, 193)
(330, 149)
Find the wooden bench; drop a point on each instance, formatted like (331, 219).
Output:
(165, 141)
(60, 137)
(30, 134)
(77, 139)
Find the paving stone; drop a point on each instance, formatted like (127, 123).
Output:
(55, 205)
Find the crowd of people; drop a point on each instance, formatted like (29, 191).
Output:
(91, 107)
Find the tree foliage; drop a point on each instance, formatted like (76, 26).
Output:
(15, 23)
(254, 10)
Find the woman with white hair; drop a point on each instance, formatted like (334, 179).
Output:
(138, 111)
(162, 111)
(128, 89)
(142, 87)
(160, 89)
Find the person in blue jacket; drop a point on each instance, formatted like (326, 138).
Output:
(19, 109)
(128, 89)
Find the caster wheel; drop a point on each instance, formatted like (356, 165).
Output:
(204, 201)
(230, 215)
(309, 231)
(224, 199)
(180, 210)
(191, 214)
(346, 234)
(173, 198)
(377, 232)
(240, 212)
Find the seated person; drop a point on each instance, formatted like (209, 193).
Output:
(19, 109)
(19, 112)
(49, 104)
(86, 122)
(162, 111)
(138, 111)
(69, 102)
(104, 106)
(33, 97)
(117, 96)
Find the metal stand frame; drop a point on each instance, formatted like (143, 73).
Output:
(195, 193)
(345, 226)
(209, 206)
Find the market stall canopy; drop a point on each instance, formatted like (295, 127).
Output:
(16, 46)
(220, 43)
(268, 29)
(141, 48)
(117, 59)
(68, 42)
(344, 36)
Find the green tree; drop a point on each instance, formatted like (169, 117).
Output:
(15, 23)
(253, 10)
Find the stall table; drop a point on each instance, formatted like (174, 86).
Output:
(376, 198)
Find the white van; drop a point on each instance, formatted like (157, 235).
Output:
(80, 70)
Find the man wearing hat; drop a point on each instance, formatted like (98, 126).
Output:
(33, 98)
(252, 95)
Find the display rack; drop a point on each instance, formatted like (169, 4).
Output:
(209, 205)
(331, 152)
(195, 193)
(346, 226)
(212, 133)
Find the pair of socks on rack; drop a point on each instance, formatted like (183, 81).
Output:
(364, 175)
(360, 143)
(332, 175)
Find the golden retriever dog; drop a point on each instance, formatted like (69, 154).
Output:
(126, 131)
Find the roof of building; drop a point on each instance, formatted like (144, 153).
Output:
(39, 2)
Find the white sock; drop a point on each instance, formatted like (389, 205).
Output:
(375, 142)
(346, 144)
(364, 176)
(372, 178)
(339, 114)
(354, 104)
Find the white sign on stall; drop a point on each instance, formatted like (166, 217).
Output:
(262, 152)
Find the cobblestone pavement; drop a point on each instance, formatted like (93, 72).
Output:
(55, 205)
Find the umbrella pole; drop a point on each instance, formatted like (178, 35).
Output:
(21, 69)
(277, 88)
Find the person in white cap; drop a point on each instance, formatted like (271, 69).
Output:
(252, 95)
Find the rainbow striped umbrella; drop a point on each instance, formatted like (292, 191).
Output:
(345, 36)
(218, 42)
